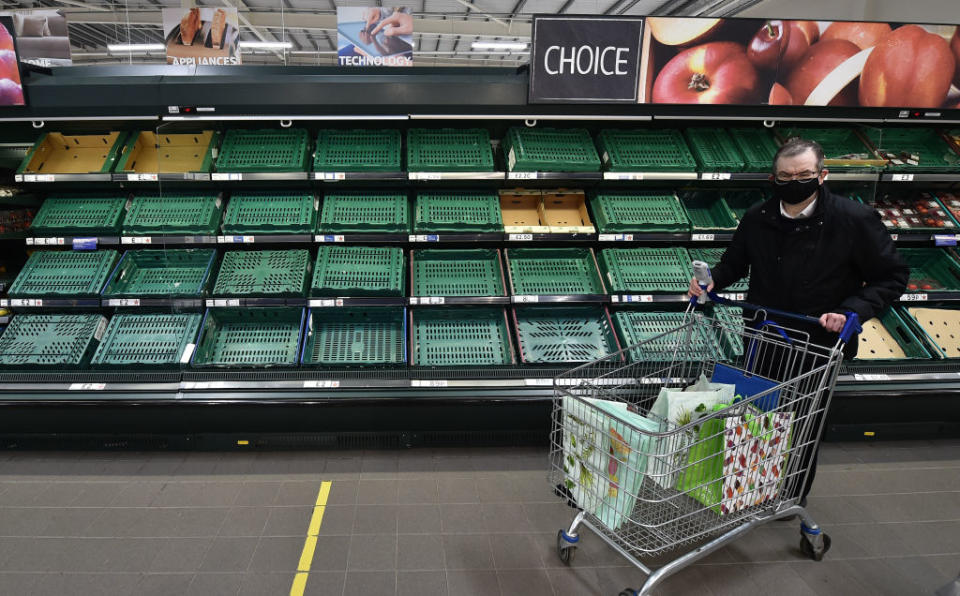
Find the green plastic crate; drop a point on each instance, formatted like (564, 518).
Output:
(64, 273)
(657, 337)
(79, 215)
(932, 267)
(712, 256)
(474, 272)
(264, 273)
(249, 337)
(358, 271)
(265, 151)
(709, 213)
(645, 151)
(842, 147)
(357, 151)
(173, 273)
(553, 271)
(646, 269)
(906, 339)
(475, 336)
(714, 150)
(449, 150)
(173, 214)
(569, 334)
(457, 212)
(355, 336)
(270, 213)
(639, 212)
(361, 213)
(740, 201)
(932, 152)
(51, 341)
(757, 146)
(731, 333)
(148, 340)
(550, 150)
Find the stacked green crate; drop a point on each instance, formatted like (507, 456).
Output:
(173, 214)
(365, 213)
(263, 273)
(79, 215)
(358, 271)
(264, 151)
(646, 270)
(469, 272)
(148, 340)
(712, 256)
(460, 337)
(842, 146)
(553, 271)
(357, 151)
(355, 336)
(550, 150)
(654, 150)
(888, 337)
(563, 334)
(740, 201)
(64, 274)
(931, 270)
(757, 146)
(449, 150)
(161, 273)
(457, 212)
(249, 337)
(271, 213)
(51, 341)
(709, 213)
(714, 150)
(662, 337)
(637, 212)
(917, 150)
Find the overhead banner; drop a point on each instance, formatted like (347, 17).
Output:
(202, 36)
(42, 37)
(374, 36)
(585, 59)
(766, 62)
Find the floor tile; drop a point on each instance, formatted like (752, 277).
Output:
(229, 555)
(331, 553)
(412, 491)
(466, 582)
(375, 519)
(244, 521)
(377, 492)
(86, 583)
(420, 552)
(163, 584)
(467, 551)
(418, 519)
(421, 583)
(514, 551)
(373, 552)
(462, 518)
(288, 521)
(370, 582)
(215, 584)
(524, 582)
(324, 583)
(180, 555)
(275, 554)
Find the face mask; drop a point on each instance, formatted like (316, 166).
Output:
(795, 191)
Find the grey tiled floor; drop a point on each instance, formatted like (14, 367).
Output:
(425, 522)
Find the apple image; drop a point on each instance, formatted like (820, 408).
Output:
(909, 67)
(779, 96)
(819, 61)
(11, 94)
(8, 66)
(718, 72)
(769, 45)
(671, 31)
(955, 46)
(803, 34)
(864, 35)
(6, 40)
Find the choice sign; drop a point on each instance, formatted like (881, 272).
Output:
(585, 59)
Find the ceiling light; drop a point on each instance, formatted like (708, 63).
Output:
(136, 47)
(266, 45)
(499, 45)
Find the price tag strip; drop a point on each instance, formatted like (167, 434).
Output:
(914, 298)
(615, 237)
(422, 383)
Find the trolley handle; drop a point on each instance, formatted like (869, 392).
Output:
(702, 272)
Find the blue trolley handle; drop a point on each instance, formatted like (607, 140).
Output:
(702, 272)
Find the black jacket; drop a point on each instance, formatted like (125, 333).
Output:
(839, 259)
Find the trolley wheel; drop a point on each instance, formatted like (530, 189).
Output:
(566, 551)
(629, 592)
(807, 549)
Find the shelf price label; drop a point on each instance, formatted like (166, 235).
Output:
(330, 176)
(901, 177)
(326, 303)
(913, 298)
(427, 300)
(716, 176)
(894, 237)
(615, 237)
(35, 178)
(632, 298)
(4, 303)
(623, 175)
(734, 297)
(871, 377)
(84, 243)
(945, 240)
(524, 299)
(136, 240)
(703, 237)
(520, 237)
(427, 383)
(47, 241)
(142, 177)
(87, 386)
(222, 302)
(321, 384)
(26, 302)
(221, 176)
(426, 176)
(538, 382)
(123, 302)
(522, 175)
(328, 238)
(423, 238)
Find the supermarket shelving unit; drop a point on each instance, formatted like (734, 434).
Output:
(316, 403)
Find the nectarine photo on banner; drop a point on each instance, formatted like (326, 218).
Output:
(11, 90)
(804, 63)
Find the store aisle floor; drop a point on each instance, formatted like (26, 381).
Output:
(423, 522)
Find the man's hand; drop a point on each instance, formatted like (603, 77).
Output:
(400, 23)
(833, 322)
(695, 289)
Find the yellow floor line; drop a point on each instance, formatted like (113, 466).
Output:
(310, 544)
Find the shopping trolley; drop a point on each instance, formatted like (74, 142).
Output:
(677, 490)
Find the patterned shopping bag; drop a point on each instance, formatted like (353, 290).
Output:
(754, 458)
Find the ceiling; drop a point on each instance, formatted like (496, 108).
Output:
(444, 29)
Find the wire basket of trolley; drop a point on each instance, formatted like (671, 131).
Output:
(706, 432)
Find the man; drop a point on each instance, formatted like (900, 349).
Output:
(812, 252)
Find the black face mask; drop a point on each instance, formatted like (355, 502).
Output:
(795, 191)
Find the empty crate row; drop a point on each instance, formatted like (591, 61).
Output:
(545, 149)
(513, 211)
(355, 271)
(264, 337)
